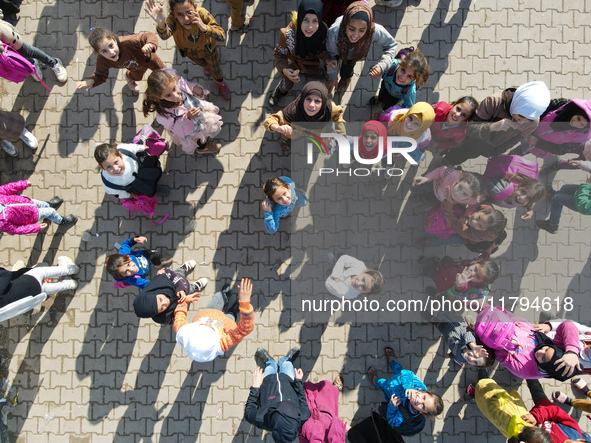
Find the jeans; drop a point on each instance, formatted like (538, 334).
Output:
(31, 52)
(285, 366)
(45, 211)
(564, 197)
(218, 301)
(43, 272)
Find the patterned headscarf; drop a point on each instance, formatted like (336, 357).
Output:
(362, 46)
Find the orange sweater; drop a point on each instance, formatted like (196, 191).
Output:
(230, 333)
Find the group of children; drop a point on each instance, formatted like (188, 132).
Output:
(464, 206)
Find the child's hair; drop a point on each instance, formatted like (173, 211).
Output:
(173, 3)
(271, 186)
(470, 101)
(438, 402)
(496, 219)
(474, 181)
(158, 81)
(531, 434)
(114, 262)
(416, 61)
(378, 281)
(528, 184)
(492, 271)
(97, 34)
(102, 152)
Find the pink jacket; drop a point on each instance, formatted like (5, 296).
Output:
(324, 425)
(545, 132)
(445, 179)
(522, 363)
(21, 218)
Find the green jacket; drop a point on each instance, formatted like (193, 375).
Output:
(582, 199)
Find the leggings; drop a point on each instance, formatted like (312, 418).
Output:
(43, 272)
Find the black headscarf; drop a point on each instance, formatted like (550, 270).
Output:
(550, 366)
(295, 112)
(306, 46)
(565, 114)
(145, 304)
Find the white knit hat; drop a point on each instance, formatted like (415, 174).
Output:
(201, 341)
(530, 100)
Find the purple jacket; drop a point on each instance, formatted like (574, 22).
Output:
(20, 215)
(545, 132)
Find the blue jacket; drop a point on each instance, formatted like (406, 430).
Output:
(278, 211)
(396, 90)
(141, 262)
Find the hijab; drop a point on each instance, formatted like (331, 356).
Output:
(550, 366)
(358, 11)
(315, 44)
(200, 341)
(380, 129)
(565, 114)
(422, 111)
(294, 112)
(530, 100)
(145, 304)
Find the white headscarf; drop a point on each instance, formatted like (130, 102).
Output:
(201, 341)
(530, 100)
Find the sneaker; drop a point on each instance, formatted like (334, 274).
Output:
(154, 256)
(29, 139)
(226, 289)
(210, 148)
(9, 148)
(201, 284)
(38, 75)
(132, 84)
(546, 316)
(561, 397)
(188, 266)
(224, 90)
(261, 357)
(18, 265)
(293, 354)
(389, 3)
(55, 202)
(163, 190)
(60, 71)
(69, 284)
(276, 96)
(546, 226)
(69, 220)
(67, 261)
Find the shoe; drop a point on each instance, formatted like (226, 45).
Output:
(9, 148)
(375, 101)
(132, 84)
(389, 3)
(226, 289)
(60, 71)
(293, 354)
(343, 85)
(188, 266)
(372, 374)
(29, 139)
(162, 190)
(201, 284)
(210, 148)
(154, 256)
(69, 284)
(276, 95)
(546, 226)
(67, 261)
(165, 263)
(235, 309)
(244, 26)
(38, 75)
(561, 397)
(469, 395)
(55, 202)
(261, 357)
(223, 88)
(69, 220)
(18, 265)
(206, 70)
(338, 383)
(546, 316)
(550, 192)
(580, 384)
(390, 354)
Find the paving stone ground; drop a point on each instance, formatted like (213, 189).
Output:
(87, 370)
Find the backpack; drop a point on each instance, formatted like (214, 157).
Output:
(509, 164)
(146, 178)
(436, 224)
(496, 329)
(401, 55)
(144, 204)
(15, 67)
(152, 140)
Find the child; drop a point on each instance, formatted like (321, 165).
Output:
(12, 127)
(190, 120)
(449, 129)
(159, 298)
(20, 214)
(575, 197)
(277, 400)
(195, 34)
(454, 186)
(501, 121)
(369, 140)
(413, 123)
(123, 174)
(130, 268)
(577, 403)
(26, 282)
(212, 332)
(313, 108)
(324, 424)
(401, 81)
(301, 48)
(409, 400)
(350, 277)
(469, 279)
(135, 53)
(282, 197)
(349, 39)
(10, 36)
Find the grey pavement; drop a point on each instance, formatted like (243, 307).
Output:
(87, 370)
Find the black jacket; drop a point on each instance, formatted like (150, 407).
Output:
(15, 285)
